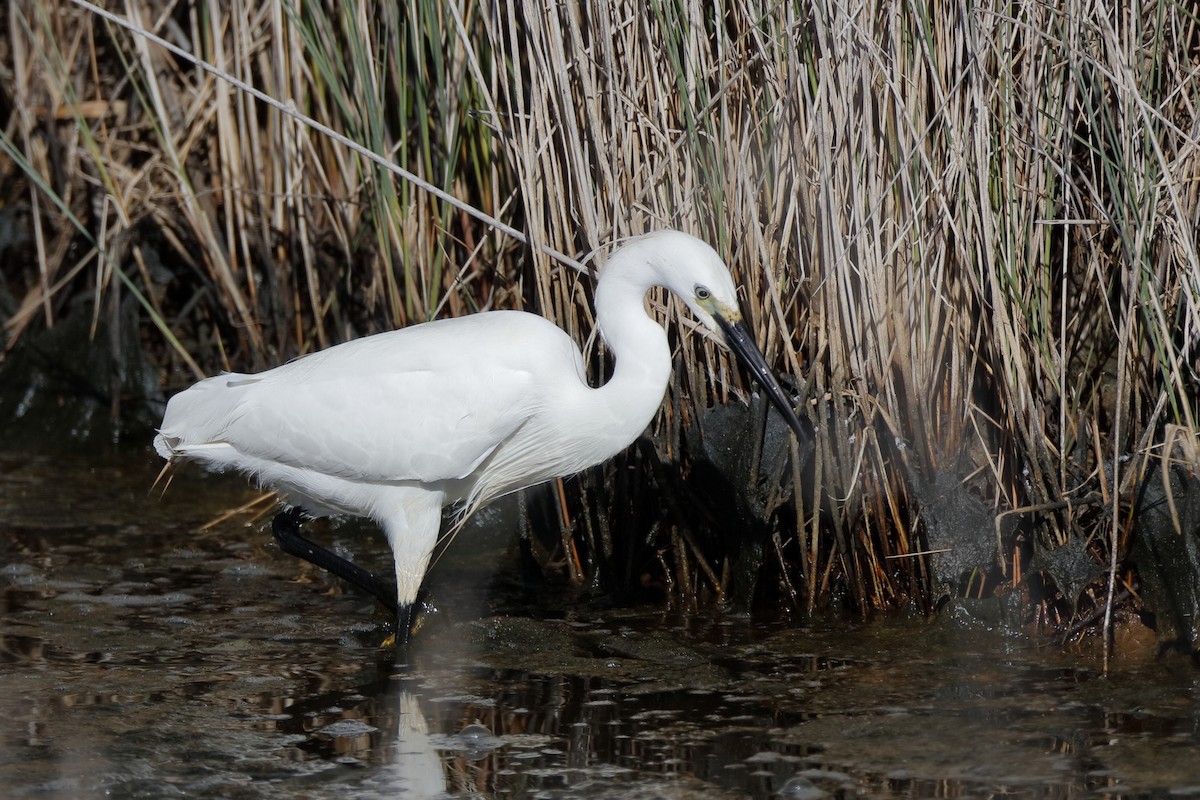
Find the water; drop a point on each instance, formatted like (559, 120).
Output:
(142, 657)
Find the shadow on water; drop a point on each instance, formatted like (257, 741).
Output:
(141, 658)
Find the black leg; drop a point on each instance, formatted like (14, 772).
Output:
(286, 527)
(404, 622)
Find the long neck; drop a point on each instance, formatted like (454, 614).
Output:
(633, 395)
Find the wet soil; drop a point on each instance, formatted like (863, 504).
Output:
(144, 657)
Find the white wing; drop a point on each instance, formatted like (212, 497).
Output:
(399, 426)
(426, 403)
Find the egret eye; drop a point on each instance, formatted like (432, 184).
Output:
(702, 292)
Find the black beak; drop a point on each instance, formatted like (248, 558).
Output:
(742, 344)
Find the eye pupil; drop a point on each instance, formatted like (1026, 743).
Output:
(702, 292)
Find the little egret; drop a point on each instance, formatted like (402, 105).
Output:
(398, 425)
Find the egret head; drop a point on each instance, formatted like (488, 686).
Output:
(693, 272)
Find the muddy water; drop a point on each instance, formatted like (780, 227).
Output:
(144, 658)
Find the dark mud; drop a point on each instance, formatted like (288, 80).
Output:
(143, 657)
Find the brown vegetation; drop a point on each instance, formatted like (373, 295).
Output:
(970, 235)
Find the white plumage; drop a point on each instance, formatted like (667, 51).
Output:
(397, 425)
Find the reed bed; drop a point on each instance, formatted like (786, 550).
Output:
(968, 234)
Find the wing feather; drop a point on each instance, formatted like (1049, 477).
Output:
(423, 426)
(426, 403)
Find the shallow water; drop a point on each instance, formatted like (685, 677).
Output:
(142, 658)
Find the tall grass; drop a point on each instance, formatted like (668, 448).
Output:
(968, 233)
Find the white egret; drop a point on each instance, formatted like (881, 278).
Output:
(398, 425)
